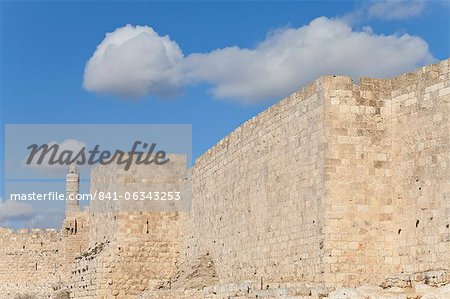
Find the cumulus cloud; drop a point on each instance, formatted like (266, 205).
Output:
(14, 211)
(396, 9)
(133, 61)
(286, 60)
(290, 58)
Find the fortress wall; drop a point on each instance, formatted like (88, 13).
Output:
(420, 161)
(113, 178)
(147, 248)
(103, 225)
(387, 171)
(38, 262)
(75, 231)
(126, 266)
(31, 257)
(132, 245)
(337, 185)
(359, 207)
(372, 144)
(91, 272)
(257, 210)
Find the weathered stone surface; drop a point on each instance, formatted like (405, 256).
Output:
(341, 190)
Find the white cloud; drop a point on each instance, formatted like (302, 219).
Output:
(13, 210)
(386, 10)
(396, 9)
(290, 58)
(25, 214)
(133, 61)
(286, 60)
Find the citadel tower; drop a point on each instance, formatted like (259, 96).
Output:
(72, 189)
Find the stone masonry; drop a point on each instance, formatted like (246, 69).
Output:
(336, 187)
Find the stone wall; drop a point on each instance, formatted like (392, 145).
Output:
(31, 256)
(38, 262)
(420, 162)
(388, 168)
(125, 267)
(132, 245)
(359, 213)
(338, 185)
(258, 196)
(113, 179)
(75, 239)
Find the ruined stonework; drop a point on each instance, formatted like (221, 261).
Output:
(336, 187)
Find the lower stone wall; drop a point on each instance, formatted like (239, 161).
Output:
(37, 263)
(142, 254)
(31, 256)
(31, 291)
(75, 239)
(421, 166)
(249, 290)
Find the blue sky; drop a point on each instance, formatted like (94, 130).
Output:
(45, 47)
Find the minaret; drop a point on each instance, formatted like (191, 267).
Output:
(72, 189)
